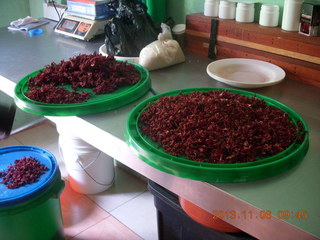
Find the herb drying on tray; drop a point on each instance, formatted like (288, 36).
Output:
(24, 171)
(49, 93)
(101, 74)
(217, 127)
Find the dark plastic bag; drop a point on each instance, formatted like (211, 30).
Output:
(7, 114)
(130, 30)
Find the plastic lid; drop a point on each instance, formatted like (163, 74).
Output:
(269, 7)
(227, 3)
(8, 155)
(95, 104)
(35, 32)
(151, 153)
(245, 5)
(179, 29)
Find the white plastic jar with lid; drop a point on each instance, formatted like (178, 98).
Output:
(211, 8)
(291, 15)
(269, 15)
(227, 9)
(245, 12)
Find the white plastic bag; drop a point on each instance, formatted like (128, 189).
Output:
(23, 21)
(161, 53)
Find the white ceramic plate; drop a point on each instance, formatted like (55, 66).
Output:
(245, 73)
(103, 52)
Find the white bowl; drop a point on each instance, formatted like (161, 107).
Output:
(245, 73)
(103, 52)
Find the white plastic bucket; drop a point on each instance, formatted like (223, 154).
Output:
(90, 171)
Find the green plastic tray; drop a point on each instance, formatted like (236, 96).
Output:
(151, 153)
(97, 103)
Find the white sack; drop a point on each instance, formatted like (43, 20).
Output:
(161, 53)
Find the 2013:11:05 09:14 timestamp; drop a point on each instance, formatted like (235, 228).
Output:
(281, 214)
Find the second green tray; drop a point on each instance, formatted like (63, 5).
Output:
(155, 156)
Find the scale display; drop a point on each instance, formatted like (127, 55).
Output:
(81, 28)
(68, 25)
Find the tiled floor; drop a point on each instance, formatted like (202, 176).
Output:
(124, 211)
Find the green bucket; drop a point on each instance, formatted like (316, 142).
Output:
(32, 211)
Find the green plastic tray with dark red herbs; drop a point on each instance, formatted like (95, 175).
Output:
(95, 104)
(267, 166)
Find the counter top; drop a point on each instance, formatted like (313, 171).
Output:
(291, 192)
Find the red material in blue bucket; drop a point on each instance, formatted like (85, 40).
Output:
(10, 197)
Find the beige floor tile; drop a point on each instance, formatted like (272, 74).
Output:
(10, 141)
(108, 229)
(79, 212)
(40, 135)
(140, 215)
(125, 188)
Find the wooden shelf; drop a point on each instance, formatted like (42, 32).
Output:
(297, 54)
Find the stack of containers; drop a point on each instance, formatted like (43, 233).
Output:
(90, 9)
(244, 12)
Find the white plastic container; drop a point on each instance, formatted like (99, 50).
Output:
(211, 8)
(90, 171)
(291, 15)
(269, 15)
(245, 12)
(227, 10)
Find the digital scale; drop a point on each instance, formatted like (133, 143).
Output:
(85, 19)
(81, 28)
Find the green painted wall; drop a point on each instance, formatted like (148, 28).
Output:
(178, 9)
(36, 8)
(13, 9)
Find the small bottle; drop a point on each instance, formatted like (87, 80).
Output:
(269, 15)
(291, 15)
(179, 34)
(211, 8)
(227, 10)
(245, 12)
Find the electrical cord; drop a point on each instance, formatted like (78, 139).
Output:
(55, 8)
(59, 16)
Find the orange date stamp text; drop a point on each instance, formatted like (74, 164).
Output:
(243, 215)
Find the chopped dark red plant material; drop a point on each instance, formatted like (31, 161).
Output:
(101, 74)
(217, 127)
(52, 94)
(24, 171)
